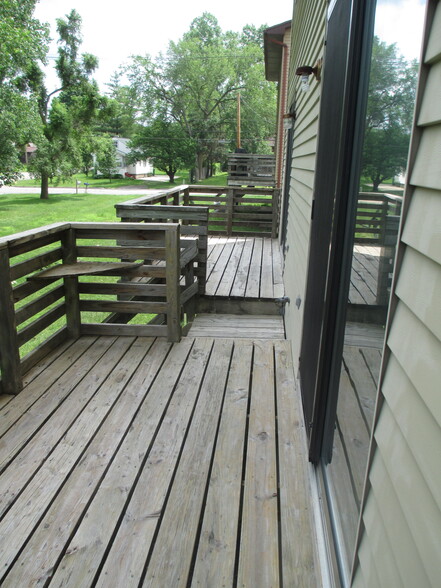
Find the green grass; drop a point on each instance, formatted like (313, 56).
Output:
(21, 212)
(182, 177)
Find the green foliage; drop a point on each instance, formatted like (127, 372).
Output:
(23, 41)
(67, 114)
(390, 108)
(121, 119)
(106, 162)
(166, 143)
(196, 84)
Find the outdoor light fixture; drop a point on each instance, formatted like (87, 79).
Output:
(305, 71)
(288, 121)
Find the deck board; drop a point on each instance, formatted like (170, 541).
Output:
(238, 326)
(244, 267)
(150, 477)
(252, 268)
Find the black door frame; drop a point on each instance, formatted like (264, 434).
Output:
(344, 96)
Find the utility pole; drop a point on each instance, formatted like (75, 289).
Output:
(238, 140)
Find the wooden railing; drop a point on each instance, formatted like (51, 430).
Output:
(52, 277)
(250, 169)
(372, 210)
(193, 221)
(232, 211)
(377, 223)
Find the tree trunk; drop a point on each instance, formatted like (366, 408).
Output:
(200, 167)
(44, 193)
(375, 184)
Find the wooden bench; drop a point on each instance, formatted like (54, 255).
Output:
(149, 260)
(193, 222)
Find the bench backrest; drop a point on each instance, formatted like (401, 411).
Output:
(193, 221)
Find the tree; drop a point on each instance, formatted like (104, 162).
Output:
(106, 161)
(166, 143)
(196, 84)
(123, 109)
(67, 112)
(23, 42)
(390, 108)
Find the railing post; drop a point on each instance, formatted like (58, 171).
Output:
(71, 295)
(186, 196)
(387, 259)
(229, 211)
(10, 366)
(173, 274)
(275, 213)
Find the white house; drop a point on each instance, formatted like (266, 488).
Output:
(140, 169)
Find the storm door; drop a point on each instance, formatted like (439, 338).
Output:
(349, 29)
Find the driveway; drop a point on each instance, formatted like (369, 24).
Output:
(129, 191)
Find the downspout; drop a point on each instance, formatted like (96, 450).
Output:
(282, 110)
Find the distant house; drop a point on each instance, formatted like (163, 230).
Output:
(28, 153)
(140, 169)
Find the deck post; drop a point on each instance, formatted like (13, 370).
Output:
(71, 295)
(230, 205)
(172, 268)
(187, 196)
(275, 213)
(10, 367)
(387, 258)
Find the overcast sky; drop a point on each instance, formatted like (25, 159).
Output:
(115, 30)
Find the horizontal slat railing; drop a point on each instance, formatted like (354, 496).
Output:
(231, 210)
(249, 169)
(377, 222)
(27, 308)
(193, 219)
(53, 276)
(372, 210)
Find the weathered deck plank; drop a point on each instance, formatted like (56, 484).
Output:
(238, 326)
(151, 477)
(244, 267)
(259, 553)
(215, 558)
(252, 268)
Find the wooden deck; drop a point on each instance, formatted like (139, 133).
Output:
(244, 267)
(238, 326)
(252, 268)
(355, 413)
(138, 462)
(364, 275)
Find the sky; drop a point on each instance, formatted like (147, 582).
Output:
(113, 31)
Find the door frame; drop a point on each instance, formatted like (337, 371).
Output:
(343, 100)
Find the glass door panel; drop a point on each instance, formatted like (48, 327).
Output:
(374, 230)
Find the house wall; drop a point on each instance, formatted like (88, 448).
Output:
(400, 531)
(308, 36)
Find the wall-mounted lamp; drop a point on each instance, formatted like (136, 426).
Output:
(305, 71)
(288, 121)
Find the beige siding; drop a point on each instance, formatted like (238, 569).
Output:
(400, 532)
(308, 34)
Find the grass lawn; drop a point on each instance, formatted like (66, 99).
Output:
(20, 212)
(182, 177)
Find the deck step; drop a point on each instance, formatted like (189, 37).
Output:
(238, 326)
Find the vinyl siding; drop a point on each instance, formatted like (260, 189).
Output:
(308, 34)
(400, 531)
